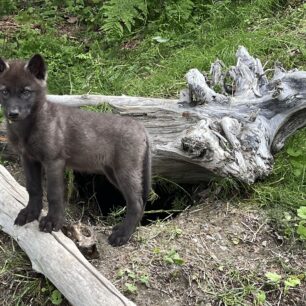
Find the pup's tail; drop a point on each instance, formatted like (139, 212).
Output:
(146, 173)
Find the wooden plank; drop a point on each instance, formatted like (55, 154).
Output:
(55, 255)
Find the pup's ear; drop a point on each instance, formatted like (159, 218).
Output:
(3, 65)
(37, 67)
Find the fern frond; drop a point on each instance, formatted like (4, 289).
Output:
(121, 15)
(179, 10)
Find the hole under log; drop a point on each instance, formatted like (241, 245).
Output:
(170, 199)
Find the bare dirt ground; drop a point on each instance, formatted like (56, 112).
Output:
(225, 254)
(215, 253)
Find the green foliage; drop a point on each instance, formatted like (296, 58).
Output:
(172, 257)
(54, 296)
(287, 184)
(273, 277)
(290, 282)
(301, 212)
(18, 277)
(132, 279)
(121, 15)
(260, 298)
(7, 7)
(178, 14)
(85, 61)
(297, 155)
(301, 229)
(283, 193)
(130, 288)
(101, 108)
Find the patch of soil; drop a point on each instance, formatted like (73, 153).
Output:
(70, 29)
(226, 252)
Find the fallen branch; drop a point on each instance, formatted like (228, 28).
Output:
(54, 255)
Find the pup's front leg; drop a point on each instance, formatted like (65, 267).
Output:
(55, 195)
(32, 171)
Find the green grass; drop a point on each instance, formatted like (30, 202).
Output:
(287, 184)
(88, 64)
(16, 276)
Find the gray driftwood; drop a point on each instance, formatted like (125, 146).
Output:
(55, 255)
(232, 132)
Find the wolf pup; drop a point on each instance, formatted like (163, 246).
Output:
(50, 137)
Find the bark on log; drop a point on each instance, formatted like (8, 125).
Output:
(54, 255)
(232, 132)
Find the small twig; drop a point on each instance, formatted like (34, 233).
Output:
(247, 227)
(212, 255)
(280, 297)
(159, 289)
(258, 230)
(194, 211)
(159, 211)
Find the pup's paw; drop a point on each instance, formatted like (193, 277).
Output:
(51, 223)
(26, 215)
(120, 235)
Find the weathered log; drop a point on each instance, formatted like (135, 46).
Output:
(6, 151)
(54, 255)
(204, 134)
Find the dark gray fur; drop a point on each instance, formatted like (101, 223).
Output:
(50, 137)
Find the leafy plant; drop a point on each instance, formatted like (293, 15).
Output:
(55, 296)
(132, 279)
(144, 279)
(177, 13)
(176, 232)
(301, 229)
(297, 159)
(273, 277)
(130, 288)
(121, 16)
(260, 298)
(301, 212)
(292, 282)
(172, 257)
(7, 7)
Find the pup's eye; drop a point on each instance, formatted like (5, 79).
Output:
(26, 92)
(4, 92)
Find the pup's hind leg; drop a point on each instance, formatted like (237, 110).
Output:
(130, 184)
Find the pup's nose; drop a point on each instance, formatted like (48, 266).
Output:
(13, 114)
